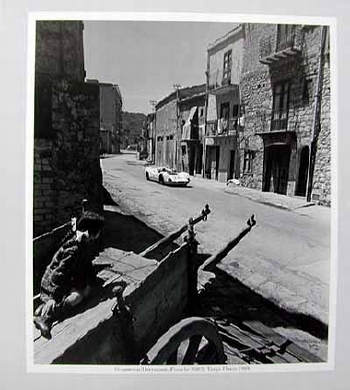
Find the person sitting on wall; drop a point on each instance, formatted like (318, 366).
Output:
(67, 279)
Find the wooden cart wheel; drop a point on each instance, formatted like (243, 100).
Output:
(193, 340)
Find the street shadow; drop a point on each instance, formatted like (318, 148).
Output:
(224, 297)
(107, 199)
(126, 232)
(174, 186)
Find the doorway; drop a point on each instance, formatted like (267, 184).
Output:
(212, 162)
(231, 165)
(277, 159)
(303, 171)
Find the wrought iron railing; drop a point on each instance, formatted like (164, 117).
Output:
(279, 120)
(223, 127)
(269, 120)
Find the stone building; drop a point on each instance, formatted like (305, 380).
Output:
(285, 90)
(179, 129)
(66, 127)
(149, 135)
(111, 122)
(224, 115)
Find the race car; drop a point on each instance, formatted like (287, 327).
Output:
(167, 176)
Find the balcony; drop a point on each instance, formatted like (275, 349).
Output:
(285, 45)
(273, 122)
(222, 127)
(219, 84)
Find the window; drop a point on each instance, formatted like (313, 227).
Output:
(225, 111)
(248, 161)
(224, 115)
(235, 110)
(280, 106)
(183, 150)
(285, 37)
(201, 112)
(226, 77)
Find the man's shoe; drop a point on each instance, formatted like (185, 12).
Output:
(44, 325)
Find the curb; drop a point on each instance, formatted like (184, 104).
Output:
(285, 203)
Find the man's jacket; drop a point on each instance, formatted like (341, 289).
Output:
(71, 267)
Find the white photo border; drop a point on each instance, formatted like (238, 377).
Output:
(178, 17)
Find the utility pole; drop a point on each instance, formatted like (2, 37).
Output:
(154, 135)
(177, 88)
(206, 102)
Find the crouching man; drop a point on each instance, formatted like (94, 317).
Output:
(67, 279)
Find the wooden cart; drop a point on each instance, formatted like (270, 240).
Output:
(145, 312)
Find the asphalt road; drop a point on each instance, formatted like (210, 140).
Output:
(285, 257)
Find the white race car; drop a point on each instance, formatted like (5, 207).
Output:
(167, 176)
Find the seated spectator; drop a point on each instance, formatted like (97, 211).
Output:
(67, 279)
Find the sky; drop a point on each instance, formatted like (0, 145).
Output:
(146, 58)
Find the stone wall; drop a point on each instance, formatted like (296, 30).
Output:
(59, 49)
(66, 128)
(66, 165)
(322, 174)
(257, 96)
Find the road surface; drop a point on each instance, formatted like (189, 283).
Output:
(285, 258)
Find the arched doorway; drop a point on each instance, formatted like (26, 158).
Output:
(303, 171)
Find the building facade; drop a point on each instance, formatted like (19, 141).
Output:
(192, 117)
(224, 113)
(111, 122)
(179, 129)
(285, 90)
(66, 128)
(149, 135)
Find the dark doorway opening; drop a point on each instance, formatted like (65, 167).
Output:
(212, 162)
(231, 168)
(277, 159)
(199, 157)
(303, 171)
(191, 158)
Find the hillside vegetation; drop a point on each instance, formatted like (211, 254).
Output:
(132, 127)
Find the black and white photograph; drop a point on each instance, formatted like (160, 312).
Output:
(175, 195)
(182, 194)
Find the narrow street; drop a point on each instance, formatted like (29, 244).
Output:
(284, 244)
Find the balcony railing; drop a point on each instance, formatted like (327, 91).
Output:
(222, 127)
(279, 120)
(286, 44)
(268, 121)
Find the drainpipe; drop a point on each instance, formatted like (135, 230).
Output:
(205, 115)
(175, 147)
(316, 116)
(237, 162)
